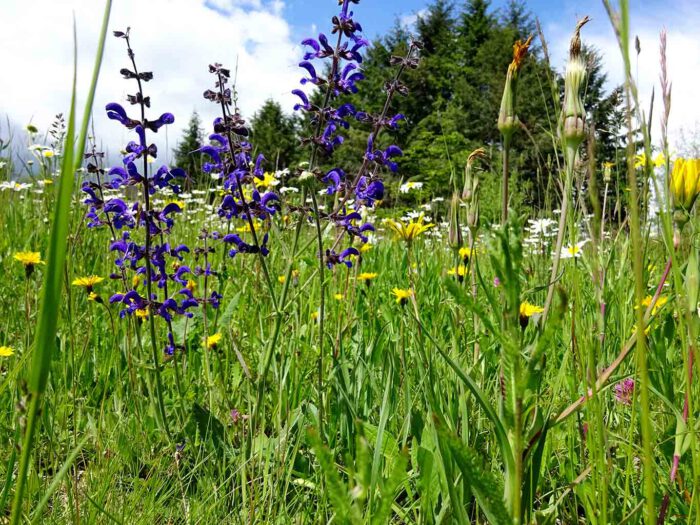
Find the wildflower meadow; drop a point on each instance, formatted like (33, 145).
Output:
(450, 283)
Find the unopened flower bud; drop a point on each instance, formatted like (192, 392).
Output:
(573, 111)
(685, 183)
(507, 118)
(454, 234)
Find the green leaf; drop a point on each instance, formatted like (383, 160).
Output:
(483, 484)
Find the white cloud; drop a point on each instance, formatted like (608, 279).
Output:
(409, 20)
(176, 39)
(683, 54)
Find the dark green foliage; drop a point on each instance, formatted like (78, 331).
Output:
(455, 95)
(185, 156)
(275, 135)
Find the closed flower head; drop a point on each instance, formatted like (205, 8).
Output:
(507, 118)
(573, 112)
(685, 184)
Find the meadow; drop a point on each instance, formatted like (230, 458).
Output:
(277, 344)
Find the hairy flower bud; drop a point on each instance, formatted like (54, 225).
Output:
(507, 118)
(573, 111)
(470, 193)
(454, 234)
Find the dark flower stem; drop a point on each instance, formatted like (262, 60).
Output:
(251, 224)
(149, 276)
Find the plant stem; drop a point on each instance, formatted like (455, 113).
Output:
(506, 170)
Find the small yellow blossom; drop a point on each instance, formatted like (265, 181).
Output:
(88, 282)
(282, 279)
(459, 271)
(367, 276)
(141, 313)
(659, 160)
(191, 285)
(465, 253)
(6, 351)
(527, 310)
(267, 181)
(314, 315)
(136, 281)
(660, 302)
(408, 232)
(339, 297)
(402, 295)
(29, 258)
(213, 340)
(365, 247)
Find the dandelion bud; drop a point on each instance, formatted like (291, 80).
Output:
(454, 234)
(685, 184)
(573, 113)
(607, 172)
(507, 118)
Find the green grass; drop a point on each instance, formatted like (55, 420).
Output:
(449, 407)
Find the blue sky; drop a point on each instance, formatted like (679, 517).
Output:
(177, 39)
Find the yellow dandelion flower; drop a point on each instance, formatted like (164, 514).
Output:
(367, 276)
(88, 282)
(267, 181)
(29, 258)
(339, 297)
(527, 310)
(402, 295)
(213, 340)
(459, 271)
(191, 285)
(409, 231)
(365, 247)
(660, 302)
(282, 279)
(659, 160)
(141, 313)
(465, 252)
(6, 351)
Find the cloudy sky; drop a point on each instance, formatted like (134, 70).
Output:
(177, 39)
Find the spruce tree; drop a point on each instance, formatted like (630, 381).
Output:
(275, 135)
(192, 139)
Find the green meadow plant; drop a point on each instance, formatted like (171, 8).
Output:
(288, 347)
